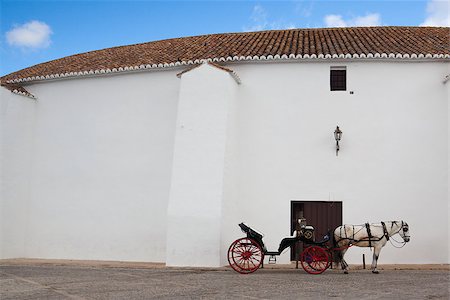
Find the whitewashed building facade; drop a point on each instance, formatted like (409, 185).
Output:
(155, 152)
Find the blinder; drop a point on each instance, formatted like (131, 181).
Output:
(405, 229)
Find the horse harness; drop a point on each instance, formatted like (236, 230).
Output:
(369, 234)
(385, 231)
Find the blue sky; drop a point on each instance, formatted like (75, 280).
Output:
(38, 31)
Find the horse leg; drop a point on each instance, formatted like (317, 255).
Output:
(344, 264)
(376, 255)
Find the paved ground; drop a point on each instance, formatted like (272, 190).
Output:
(53, 281)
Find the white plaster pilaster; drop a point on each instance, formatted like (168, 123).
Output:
(196, 194)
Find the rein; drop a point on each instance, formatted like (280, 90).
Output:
(398, 243)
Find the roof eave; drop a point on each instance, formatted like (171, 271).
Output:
(292, 57)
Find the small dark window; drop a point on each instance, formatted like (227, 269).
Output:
(338, 79)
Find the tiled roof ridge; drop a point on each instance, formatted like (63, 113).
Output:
(389, 42)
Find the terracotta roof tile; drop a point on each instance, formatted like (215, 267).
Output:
(358, 42)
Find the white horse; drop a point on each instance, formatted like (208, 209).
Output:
(367, 235)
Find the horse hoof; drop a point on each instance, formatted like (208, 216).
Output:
(375, 272)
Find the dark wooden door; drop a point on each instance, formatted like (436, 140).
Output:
(322, 215)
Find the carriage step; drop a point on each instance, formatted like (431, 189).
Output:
(272, 259)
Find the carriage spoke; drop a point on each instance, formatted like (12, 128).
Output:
(256, 260)
(245, 255)
(315, 260)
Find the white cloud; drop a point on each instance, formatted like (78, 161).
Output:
(360, 21)
(304, 9)
(334, 21)
(367, 20)
(438, 13)
(259, 14)
(34, 34)
(261, 21)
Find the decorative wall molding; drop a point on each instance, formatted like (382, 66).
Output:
(18, 90)
(24, 93)
(230, 71)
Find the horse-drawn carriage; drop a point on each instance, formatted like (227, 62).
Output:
(246, 255)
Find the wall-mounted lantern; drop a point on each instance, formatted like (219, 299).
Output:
(337, 137)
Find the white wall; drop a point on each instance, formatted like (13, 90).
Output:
(99, 171)
(393, 159)
(447, 85)
(86, 169)
(17, 121)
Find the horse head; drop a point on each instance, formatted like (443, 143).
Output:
(404, 232)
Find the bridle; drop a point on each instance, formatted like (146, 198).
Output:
(405, 237)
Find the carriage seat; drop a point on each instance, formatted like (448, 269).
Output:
(250, 231)
(287, 242)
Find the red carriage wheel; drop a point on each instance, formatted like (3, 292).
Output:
(315, 260)
(245, 255)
